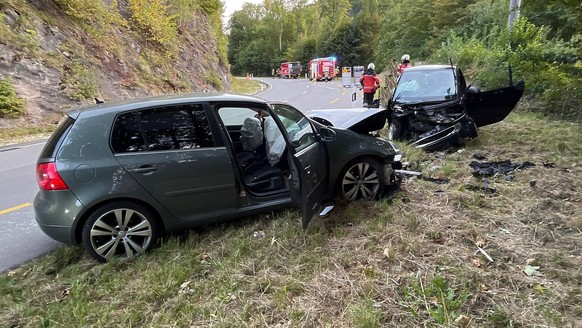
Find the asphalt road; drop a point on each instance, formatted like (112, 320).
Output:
(305, 95)
(20, 238)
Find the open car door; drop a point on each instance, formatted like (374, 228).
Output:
(308, 160)
(494, 105)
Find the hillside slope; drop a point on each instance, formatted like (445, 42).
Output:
(63, 53)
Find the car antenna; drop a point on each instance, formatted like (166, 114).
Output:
(98, 101)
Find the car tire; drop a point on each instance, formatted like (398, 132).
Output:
(122, 229)
(361, 179)
(395, 129)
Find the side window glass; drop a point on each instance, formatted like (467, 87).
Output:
(297, 126)
(244, 126)
(235, 116)
(126, 136)
(180, 127)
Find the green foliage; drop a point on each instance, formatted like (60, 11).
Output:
(82, 81)
(261, 37)
(501, 319)
(213, 8)
(20, 32)
(183, 10)
(210, 7)
(10, 105)
(543, 49)
(562, 17)
(95, 13)
(152, 18)
(547, 65)
(437, 297)
(364, 315)
(212, 78)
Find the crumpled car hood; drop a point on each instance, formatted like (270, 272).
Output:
(360, 120)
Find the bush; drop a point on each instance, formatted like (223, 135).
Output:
(10, 105)
(548, 66)
(96, 13)
(212, 78)
(152, 18)
(83, 81)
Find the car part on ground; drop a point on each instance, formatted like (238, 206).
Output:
(115, 176)
(499, 167)
(433, 108)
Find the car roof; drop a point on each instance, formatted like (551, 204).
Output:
(163, 100)
(429, 67)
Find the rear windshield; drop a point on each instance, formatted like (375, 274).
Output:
(56, 139)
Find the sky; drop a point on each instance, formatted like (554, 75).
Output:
(231, 6)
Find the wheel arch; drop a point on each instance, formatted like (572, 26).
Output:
(78, 235)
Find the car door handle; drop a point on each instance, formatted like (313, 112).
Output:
(144, 169)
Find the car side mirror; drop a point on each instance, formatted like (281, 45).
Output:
(327, 134)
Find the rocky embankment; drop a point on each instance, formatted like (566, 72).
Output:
(58, 58)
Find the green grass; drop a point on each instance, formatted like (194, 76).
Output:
(409, 262)
(244, 86)
(22, 134)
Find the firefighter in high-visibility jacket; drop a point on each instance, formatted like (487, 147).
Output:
(404, 64)
(370, 82)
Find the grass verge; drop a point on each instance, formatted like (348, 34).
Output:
(438, 255)
(16, 135)
(246, 87)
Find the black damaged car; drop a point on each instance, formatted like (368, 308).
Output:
(433, 107)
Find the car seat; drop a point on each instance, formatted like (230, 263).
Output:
(252, 140)
(251, 134)
(259, 171)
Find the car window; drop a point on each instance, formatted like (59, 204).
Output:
(163, 128)
(298, 128)
(232, 116)
(126, 136)
(57, 138)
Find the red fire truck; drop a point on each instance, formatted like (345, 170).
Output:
(322, 69)
(290, 70)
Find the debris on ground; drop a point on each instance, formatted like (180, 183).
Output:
(501, 167)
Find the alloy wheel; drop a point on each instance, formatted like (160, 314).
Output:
(120, 232)
(361, 181)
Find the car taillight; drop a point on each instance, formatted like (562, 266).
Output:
(48, 178)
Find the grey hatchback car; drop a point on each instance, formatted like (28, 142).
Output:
(116, 176)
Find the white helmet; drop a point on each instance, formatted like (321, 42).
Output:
(371, 66)
(405, 57)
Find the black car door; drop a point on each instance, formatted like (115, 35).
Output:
(309, 160)
(492, 106)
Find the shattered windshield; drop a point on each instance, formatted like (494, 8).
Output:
(426, 86)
